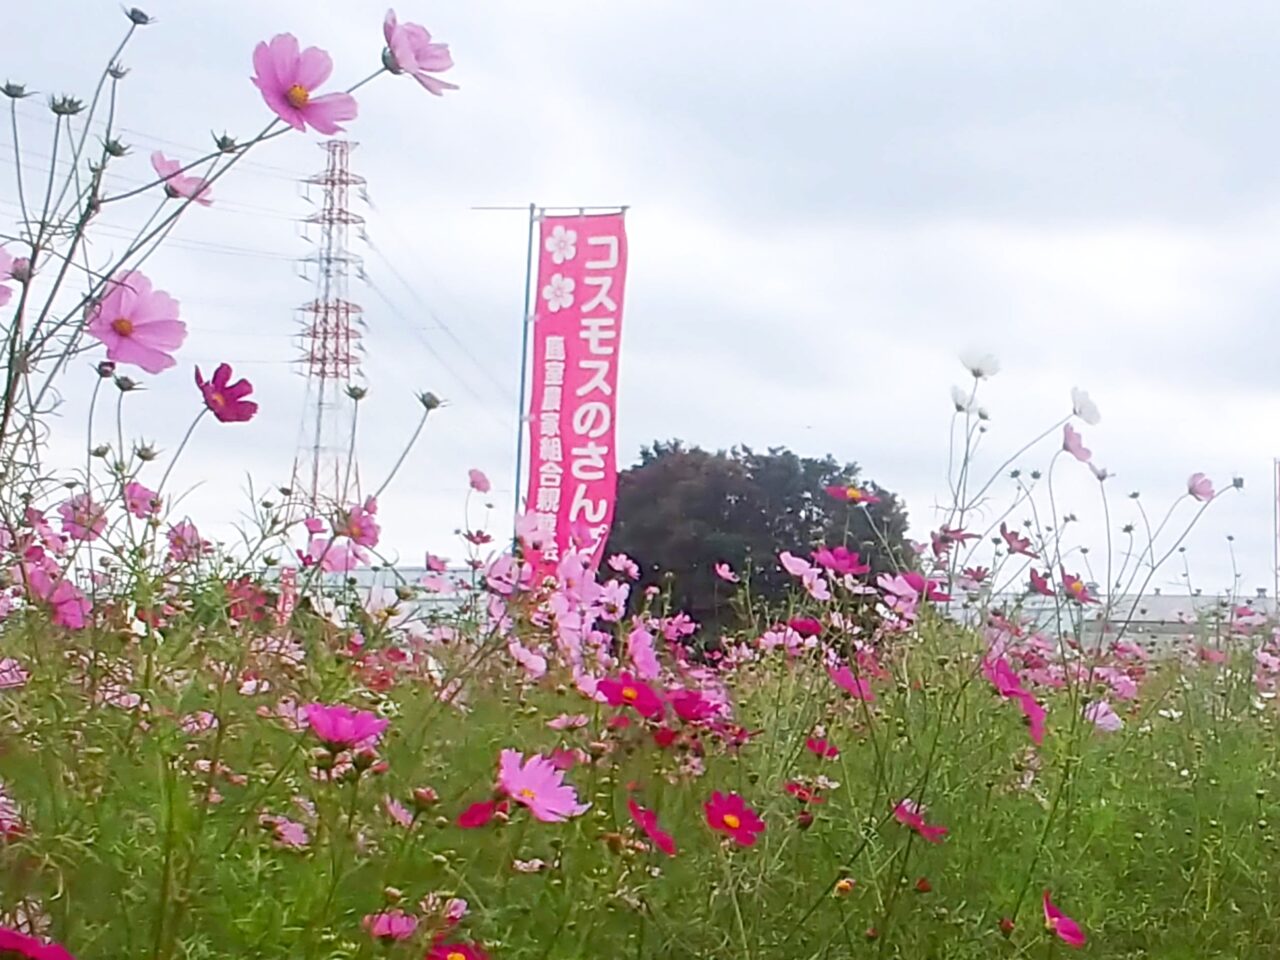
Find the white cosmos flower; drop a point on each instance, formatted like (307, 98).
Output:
(562, 244)
(981, 365)
(961, 399)
(558, 292)
(1084, 408)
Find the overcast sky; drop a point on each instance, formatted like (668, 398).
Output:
(829, 202)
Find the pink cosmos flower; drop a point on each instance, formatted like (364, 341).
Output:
(816, 586)
(140, 501)
(1074, 444)
(1066, 929)
(226, 399)
(70, 607)
(857, 687)
(852, 494)
(178, 184)
(1076, 589)
(647, 821)
(910, 814)
(1200, 487)
(17, 944)
(287, 833)
(397, 811)
(730, 815)
(185, 543)
(841, 561)
(642, 654)
(360, 524)
(286, 78)
(621, 563)
(394, 925)
(821, 748)
(479, 482)
(140, 326)
(794, 565)
(567, 722)
(412, 51)
(1040, 583)
(725, 573)
(692, 707)
(479, 814)
(628, 691)
(1103, 717)
(456, 951)
(82, 519)
(12, 674)
(805, 626)
(341, 728)
(6, 271)
(539, 785)
(1016, 542)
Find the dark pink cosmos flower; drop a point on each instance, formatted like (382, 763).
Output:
(140, 501)
(852, 494)
(802, 793)
(139, 326)
(1040, 583)
(822, 748)
(976, 574)
(456, 951)
(178, 184)
(647, 821)
(628, 691)
(1016, 542)
(731, 816)
(340, 727)
(479, 814)
(360, 524)
(1033, 713)
(1076, 589)
(390, 926)
(930, 589)
(1200, 487)
(82, 519)
(842, 561)
(857, 687)
(1073, 443)
(70, 608)
(1066, 929)
(14, 943)
(411, 50)
(692, 707)
(805, 626)
(910, 814)
(287, 76)
(226, 399)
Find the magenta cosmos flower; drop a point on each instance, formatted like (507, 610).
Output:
(1077, 589)
(1016, 542)
(142, 502)
(394, 925)
(13, 943)
(628, 691)
(226, 400)
(910, 814)
(1200, 487)
(69, 607)
(857, 687)
(360, 524)
(139, 325)
(822, 748)
(730, 815)
(647, 821)
(82, 519)
(852, 494)
(539, 785)
(341, 727)
(1066, 929)
(456, 951)
(1040, 583)
(410, 50)
(287, 77)
(176, 183)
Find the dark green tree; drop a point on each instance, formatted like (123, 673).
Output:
(681, 510)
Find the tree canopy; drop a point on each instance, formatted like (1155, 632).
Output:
(681, 510)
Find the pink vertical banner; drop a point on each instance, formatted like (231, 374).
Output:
(577, 330)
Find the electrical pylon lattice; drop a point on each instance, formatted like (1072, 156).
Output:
(325, 473)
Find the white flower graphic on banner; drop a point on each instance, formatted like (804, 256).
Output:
(558, 292)
(562, 244)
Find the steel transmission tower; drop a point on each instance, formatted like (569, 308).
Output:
(325, 474)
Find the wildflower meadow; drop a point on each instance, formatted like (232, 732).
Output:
(235, 749)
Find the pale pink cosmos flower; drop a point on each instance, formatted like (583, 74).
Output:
(621, 563)
(6, 271)
(816, 585)
(393, 925)
(1200, 487)
(12, 674)
(140, 501)
(185, 543)
(479, 482)
(82, 519)
(411, 50)
(397, 811)
(568, 721)
(725, 573)
(641, 652)
(139, 325)
(287, 76)
(1073, 443)
(1103, 717)
(539, 785)
(794, 565)
(176, 183)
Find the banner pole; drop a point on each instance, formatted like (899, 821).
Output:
(526, 323)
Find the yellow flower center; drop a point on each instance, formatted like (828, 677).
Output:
(122, 326)
(455, 955)
(298, 95)
(731, 821)
(844, 885)
(217, 399)
(528, 794)
(1077, 587)
(630, 694)
(855, 494)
